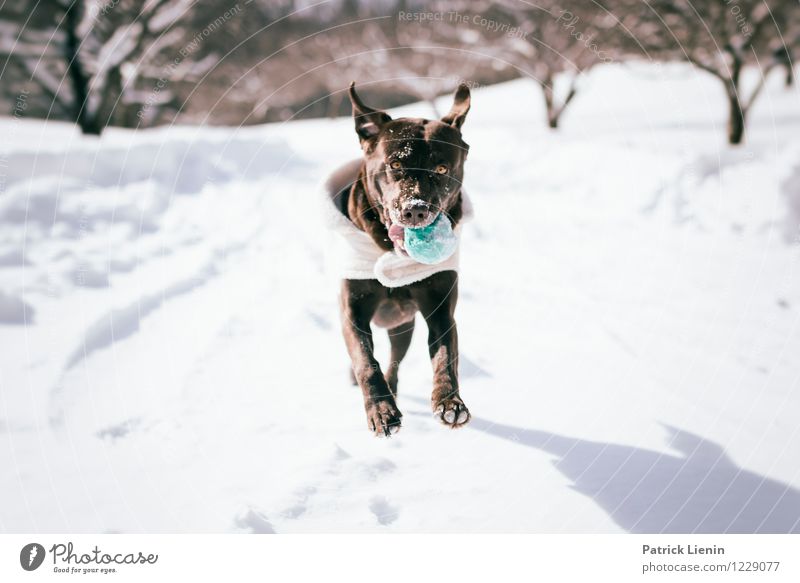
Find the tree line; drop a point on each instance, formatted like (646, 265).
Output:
(142, 63)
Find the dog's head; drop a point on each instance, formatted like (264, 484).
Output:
(414, 166)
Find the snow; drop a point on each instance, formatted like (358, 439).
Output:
(628, 324)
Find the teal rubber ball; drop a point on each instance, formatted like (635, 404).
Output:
(432, 244)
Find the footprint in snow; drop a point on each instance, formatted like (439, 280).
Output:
(115, 432)
(340, 454)
(254, 522)
(384, 512)
(298, 509)
(377, 468)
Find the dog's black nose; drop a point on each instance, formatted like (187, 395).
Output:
(415, 213)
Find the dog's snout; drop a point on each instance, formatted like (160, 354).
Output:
(416, 213)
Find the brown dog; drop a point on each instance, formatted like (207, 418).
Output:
(412, 170)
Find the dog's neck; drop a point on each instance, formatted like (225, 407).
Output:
(364, 211)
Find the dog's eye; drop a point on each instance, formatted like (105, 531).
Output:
(441, 169)
(396, 165)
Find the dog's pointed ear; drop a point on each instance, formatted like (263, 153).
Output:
(368, 120)
(458, 113)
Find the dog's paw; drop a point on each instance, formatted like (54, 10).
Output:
(383, 417)
(452, 412)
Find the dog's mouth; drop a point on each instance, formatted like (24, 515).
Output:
(397, 233)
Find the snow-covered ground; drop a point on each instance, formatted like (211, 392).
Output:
(628, 319)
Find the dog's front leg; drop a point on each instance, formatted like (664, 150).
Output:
(358, 304)
(443, 347)
(438, 307)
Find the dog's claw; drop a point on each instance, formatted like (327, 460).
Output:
(383, 418)
(452, 412)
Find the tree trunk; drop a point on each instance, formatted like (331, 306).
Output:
(736, 119)
(78, 78)
(554, 111)
(736, 110)
(112, 98)
(549, 102)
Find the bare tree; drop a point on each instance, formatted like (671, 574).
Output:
(138, 63)
(787, 45)
(720, 37)
(95, 53)
(549, 40)
(404, 58)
